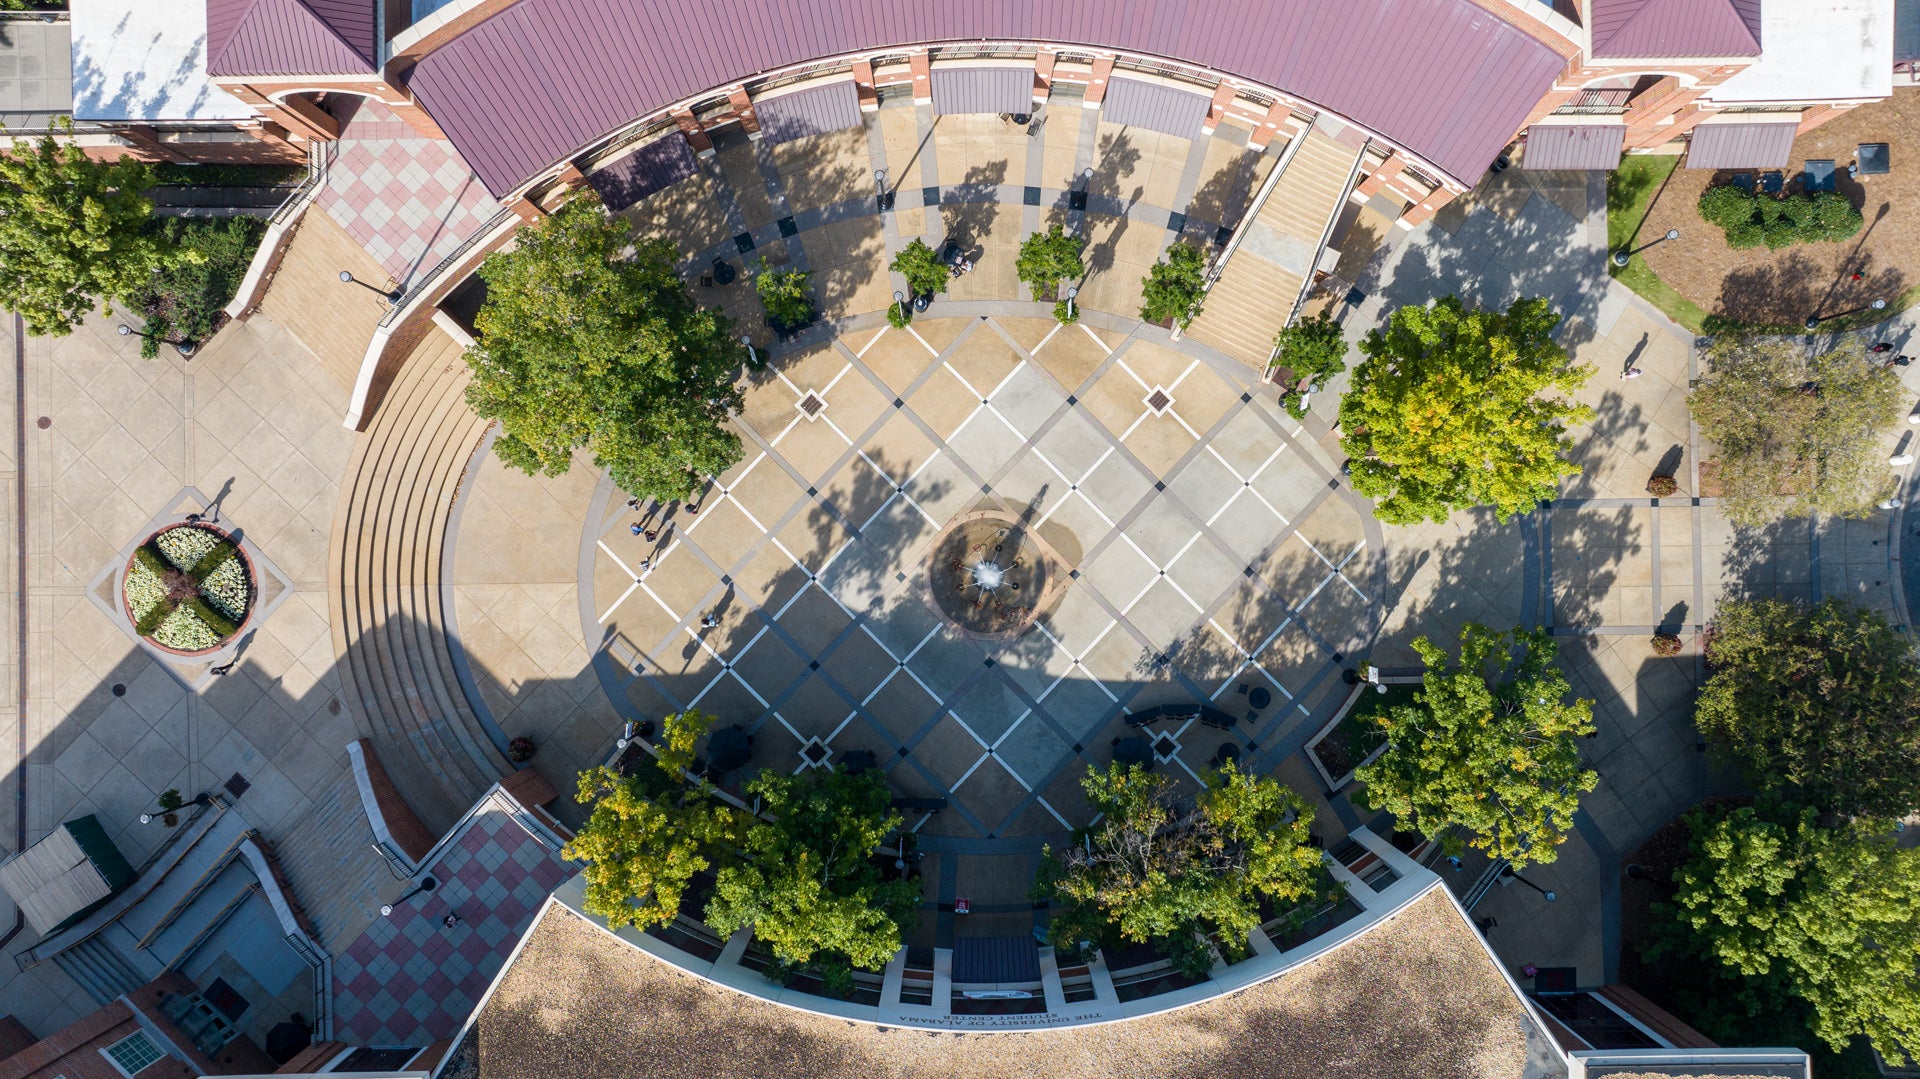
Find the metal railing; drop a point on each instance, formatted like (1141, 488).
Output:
(320, 966)
(431, 277)
(316, 176)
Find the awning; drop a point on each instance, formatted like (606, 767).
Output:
(654, 167)
(1133, 103)
(1733, 145)
(813, 111)
(1573, 146)
(983, 89)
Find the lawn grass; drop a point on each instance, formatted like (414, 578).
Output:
(1630, 190)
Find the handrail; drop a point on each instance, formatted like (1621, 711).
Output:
(1253, 209)
(1326, 237)
(425, 281)
(317, 165)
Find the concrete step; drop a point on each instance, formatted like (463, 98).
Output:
(100, 970)
(328, 861)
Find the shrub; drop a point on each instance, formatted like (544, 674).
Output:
(784, 294)
(1662, 486)
(898, 315)
(186, 300)
(1666, 644)
(1173, 288)
(520, 750)
(925, 273)
(1750, 220)
(1066, 314)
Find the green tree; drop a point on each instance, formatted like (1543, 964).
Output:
(1490, 744)
(1159, 866)
(1048, 258)
(807, 884)
(786, 296)
(583, 347)
(926, 275)
(1795, 434)
(1446, 411)
(73, 232)
(1314, 349)
(649, 835)
(1174, 286)
(1792, 914)
(187, 297)
(1816, 703)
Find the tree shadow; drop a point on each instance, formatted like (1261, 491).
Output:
(969, 207)
(1791, 288)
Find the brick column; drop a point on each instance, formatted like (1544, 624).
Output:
(416, 118)
(296, 113)
(1418, 213)
(863, 85)
(1389, 170)
(743, 108)
(1817, 115)
(1657, 118)
(1660, 135)
(1263, 134)
(527, 209)
(1223, 96)
(695, 134)
(1043, 75)
(922, 66)
(1097, 85)
(1657, 100)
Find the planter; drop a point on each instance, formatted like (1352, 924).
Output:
(1328, 750)
(202, 601)
(1662, 486)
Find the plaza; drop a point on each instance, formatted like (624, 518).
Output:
(1180, 573)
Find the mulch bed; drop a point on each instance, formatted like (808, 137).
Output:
(1781, 288)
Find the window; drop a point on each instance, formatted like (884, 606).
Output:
(132, 1053)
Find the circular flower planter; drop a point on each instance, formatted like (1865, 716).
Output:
(188, 589)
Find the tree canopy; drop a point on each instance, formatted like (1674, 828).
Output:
(73, 233)
(1313, 348)
(807, 883)
(583, 346)
(787, 296)
(1795, 434)
(1490, 745)
(925, 273)
(1162, 866)
(1818, 703)
(1048, 258)
(649, 836)
(1452, 409)
(1785, 915)
(1174, 286)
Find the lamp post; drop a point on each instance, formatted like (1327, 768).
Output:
(427, 884)
(1623, 256)
(1814, 320)
(1072, 292)
(185, 346)
(753, 358)
(1086, 178)
(901, 299)
(392, 296)
(882, 196)
(200, 799)
(1507, 871)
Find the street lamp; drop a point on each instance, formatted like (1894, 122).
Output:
(901, 299)
(1623, 256)
(427, 884)
(185, 346)
(1072, 292)
(1507, 871)
(753, 358)
(883, 196)
(1814, 320)
(392, 296)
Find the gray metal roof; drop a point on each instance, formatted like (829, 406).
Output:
(36, 75)
(654, 167)
(982, 89)
(1741, 145)
(1574, 146)
(1155, 107)
(813, 111)
(545, 79)
(1906, 30)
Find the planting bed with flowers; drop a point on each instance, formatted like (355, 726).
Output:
(188, 589)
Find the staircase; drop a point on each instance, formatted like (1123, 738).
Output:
(388, 613)
(1266, 270)
(327, 859)
(99, 969)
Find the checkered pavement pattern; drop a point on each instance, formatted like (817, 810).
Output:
(409, 979)
(409, 201)
(1212, 555)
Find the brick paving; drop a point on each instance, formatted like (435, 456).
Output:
(409, 979)
(410, 201)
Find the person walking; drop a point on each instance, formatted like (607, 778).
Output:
(635, 529)
(1631, 373)
(1884, 346)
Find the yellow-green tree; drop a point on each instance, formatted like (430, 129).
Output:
(1490, 745)
(1452, 408)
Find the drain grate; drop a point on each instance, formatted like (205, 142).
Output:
(1164, 746)
(1159, 401)
(238, 785)
(812, 405)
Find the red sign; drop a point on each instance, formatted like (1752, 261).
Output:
(962, 906)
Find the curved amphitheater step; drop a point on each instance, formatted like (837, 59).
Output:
(1267, 273)
(389, 621)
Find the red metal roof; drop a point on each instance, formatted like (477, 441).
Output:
(290, 37)
(546, 78)
(1623, 29)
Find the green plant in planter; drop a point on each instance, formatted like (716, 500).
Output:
(1046, 259)
(1174, 287)
(1314, 349)
(187, 589)
(898, 315)
(926, 275)
(785, 295)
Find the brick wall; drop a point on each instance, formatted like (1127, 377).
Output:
(405, 827)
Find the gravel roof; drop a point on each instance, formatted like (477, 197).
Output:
(1415, 995)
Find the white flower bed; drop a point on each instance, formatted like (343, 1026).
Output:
(186, 545)
(227, 591)
(144, 590)
(184, 631)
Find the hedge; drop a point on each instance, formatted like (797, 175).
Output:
(1750, 219)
